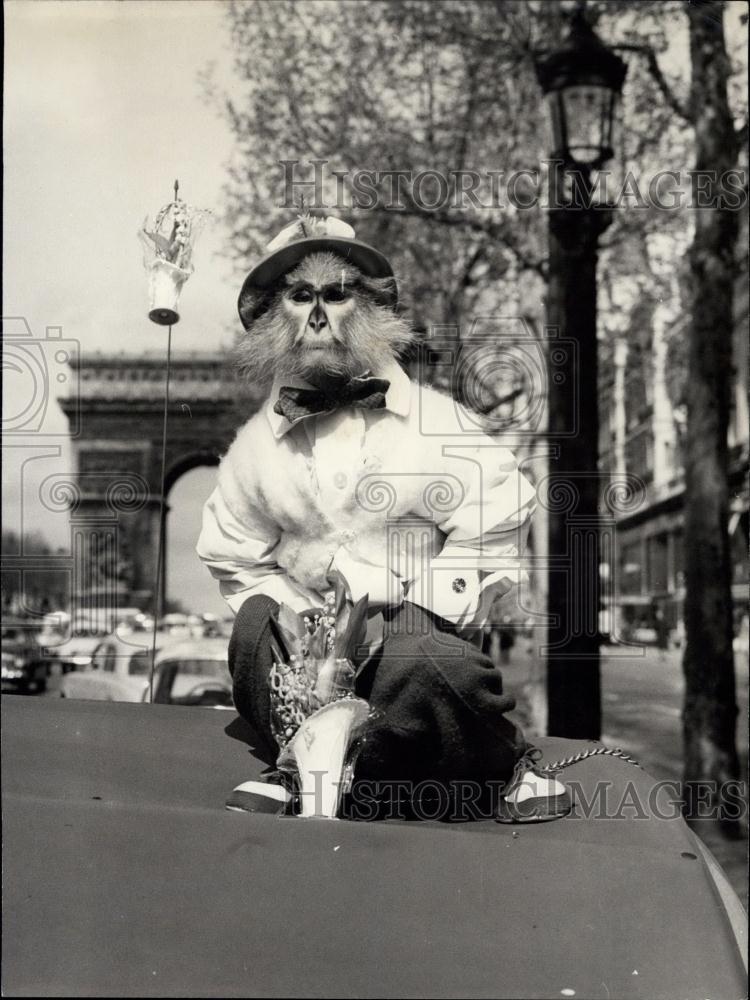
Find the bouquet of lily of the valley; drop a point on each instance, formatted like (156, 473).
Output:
(317, 720)
(168, 244)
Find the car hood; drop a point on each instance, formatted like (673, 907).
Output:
(125, 875)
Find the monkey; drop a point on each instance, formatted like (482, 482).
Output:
(296, 506)
(323, 321)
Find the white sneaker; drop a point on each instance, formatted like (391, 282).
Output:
(532, 797)
(258, 797)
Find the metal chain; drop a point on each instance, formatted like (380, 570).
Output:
(578, 757)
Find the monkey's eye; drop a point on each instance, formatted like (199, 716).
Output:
(335, 293)
(301, 295)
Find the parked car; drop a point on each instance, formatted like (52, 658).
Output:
(24, 670)
(186, 671)
(119, 671)
(194, 672)
(76, 653)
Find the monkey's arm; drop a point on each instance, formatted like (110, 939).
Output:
(239, 553)
(486, 535)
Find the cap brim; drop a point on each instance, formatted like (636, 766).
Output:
(267, 272)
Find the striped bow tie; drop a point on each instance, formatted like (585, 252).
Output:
(366, 393)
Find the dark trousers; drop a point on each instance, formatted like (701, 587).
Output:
(441, 702)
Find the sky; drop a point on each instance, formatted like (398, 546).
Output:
(103, 110)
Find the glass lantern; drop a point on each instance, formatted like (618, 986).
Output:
(581, 82)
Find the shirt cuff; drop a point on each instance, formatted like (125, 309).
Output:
(276, 586)
(460, 596)
(378, 583)
(449, 592)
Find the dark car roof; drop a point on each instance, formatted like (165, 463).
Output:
(125, 875)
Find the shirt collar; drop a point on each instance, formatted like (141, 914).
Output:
(397, 398)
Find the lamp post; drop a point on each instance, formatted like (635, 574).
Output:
(581, 82)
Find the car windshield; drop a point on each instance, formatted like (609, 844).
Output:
(140, 663)
(201, 668)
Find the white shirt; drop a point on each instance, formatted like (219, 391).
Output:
(410, 501)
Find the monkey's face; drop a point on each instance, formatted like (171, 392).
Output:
(324, 319)
(319, 301)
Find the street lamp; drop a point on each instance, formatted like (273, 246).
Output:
(581, 82)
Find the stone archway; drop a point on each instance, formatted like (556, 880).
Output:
(188, 462)
(116, 425)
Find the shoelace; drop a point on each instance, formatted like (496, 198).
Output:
(529, 761)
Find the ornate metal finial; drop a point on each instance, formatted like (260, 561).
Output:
(581, 58)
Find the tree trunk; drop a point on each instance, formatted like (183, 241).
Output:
(710, 710)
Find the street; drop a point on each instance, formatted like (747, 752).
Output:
(642, 705)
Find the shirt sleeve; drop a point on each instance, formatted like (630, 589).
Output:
(381, 586)
(486, 533)
(239, 554)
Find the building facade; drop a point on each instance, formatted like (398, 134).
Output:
(642, 433)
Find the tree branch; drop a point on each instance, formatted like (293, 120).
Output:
(493, 231)
(661, 82)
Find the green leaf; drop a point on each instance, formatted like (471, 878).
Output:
(373, 642)
(278, 650)
(159, 241)
(354, 633)
(291, 622)
(286, 629)
(342, 590)
(318, 643)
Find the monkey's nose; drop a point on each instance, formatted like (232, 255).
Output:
(317, 320)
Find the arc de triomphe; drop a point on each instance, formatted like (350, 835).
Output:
(117, 450)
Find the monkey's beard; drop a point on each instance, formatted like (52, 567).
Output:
(368, 339)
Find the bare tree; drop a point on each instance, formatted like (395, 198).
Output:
(35, 588)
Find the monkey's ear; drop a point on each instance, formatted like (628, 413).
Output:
(253, 303)
(383, 290)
